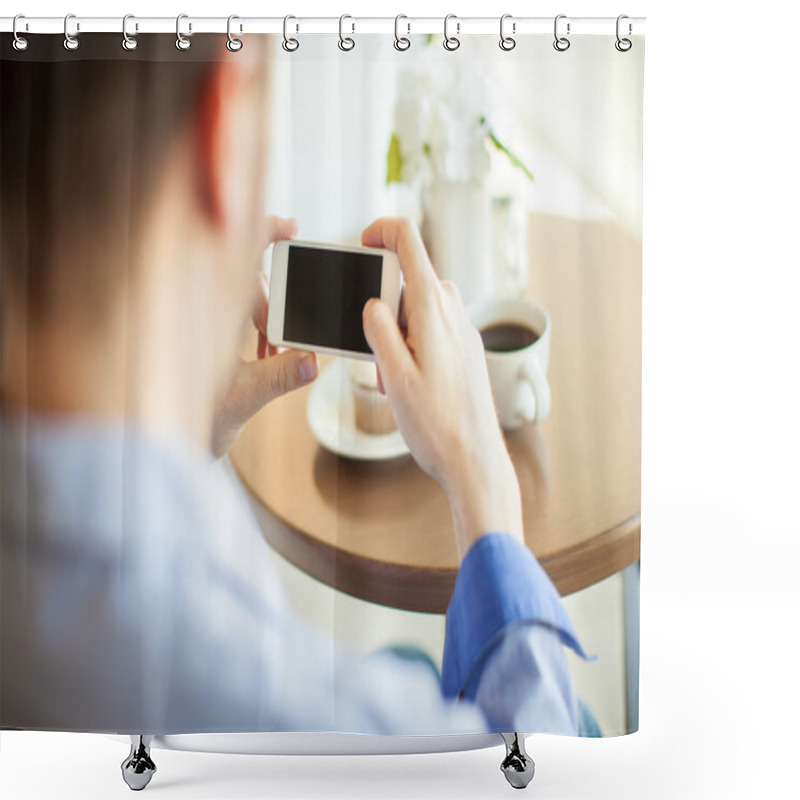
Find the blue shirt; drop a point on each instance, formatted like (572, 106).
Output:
(137, 595)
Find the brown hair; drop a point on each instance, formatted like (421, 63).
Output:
(83, 143)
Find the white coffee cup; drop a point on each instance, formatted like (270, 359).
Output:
(518, 377)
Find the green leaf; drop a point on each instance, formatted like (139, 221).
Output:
(515, 160)
(394, 162)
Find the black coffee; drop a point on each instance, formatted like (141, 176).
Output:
(507, 336)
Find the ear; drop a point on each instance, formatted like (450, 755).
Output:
(219, 119)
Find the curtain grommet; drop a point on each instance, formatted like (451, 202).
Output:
(346, 43)
(623, 44)
(289, 44)
(401, 43)
(561, 43)
(20, 43)
(129, 42)
(71, 42)
(507, 43)
(182, 42)
(451, 43)
(233, 44)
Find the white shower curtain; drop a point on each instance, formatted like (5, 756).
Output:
(208, 527)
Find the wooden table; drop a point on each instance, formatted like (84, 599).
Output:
(381, 531)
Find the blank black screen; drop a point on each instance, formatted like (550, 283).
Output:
(325, 295)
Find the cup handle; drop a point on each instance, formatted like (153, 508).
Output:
(534, 377)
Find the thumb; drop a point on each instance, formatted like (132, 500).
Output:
(275, 376)
(386, 341)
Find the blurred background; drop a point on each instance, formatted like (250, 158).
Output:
(574, 122)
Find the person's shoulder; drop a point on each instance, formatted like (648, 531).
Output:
(80, 481)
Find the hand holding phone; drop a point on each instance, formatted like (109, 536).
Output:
(318, 293)
(257, 382)
(435, 376)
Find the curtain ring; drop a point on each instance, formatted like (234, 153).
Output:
(181, 41)
(401, 43)
(507, 42)
(346, 43)
(289, 44)
(561, 43)
(451, 42)
(20, 42)
(623, 45)
(71, 42)
(233, 44)
(128, 42)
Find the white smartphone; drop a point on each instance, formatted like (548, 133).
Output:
(318, 292)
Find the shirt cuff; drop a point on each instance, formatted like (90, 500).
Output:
(500, 582)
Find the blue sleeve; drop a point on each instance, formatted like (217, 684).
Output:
(500, 583)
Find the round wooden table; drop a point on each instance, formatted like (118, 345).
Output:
(382, 531)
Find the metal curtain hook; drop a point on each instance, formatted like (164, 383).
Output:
(128, 42)
(623, 45)
(451, 42)
(233, 44)
(507, 42)
(561, 43)
(401, 42)
(71, 42)
(289, 44)
(346, 42)
(20, 42)
(181, 41)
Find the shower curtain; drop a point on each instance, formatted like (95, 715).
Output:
(208, 531)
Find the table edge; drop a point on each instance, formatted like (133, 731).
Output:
(428, 590)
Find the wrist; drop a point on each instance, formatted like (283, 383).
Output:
(485, 497)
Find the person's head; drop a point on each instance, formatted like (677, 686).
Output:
(132, 189)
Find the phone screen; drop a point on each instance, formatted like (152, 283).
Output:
(325, 295)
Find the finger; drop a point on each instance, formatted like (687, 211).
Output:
(402, 312)
(264, 349)
(277, 228)
(395, 362)
(272, 377)
(261, 318)
(402, 237)
(261, 307)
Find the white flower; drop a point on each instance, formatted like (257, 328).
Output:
(439, 112)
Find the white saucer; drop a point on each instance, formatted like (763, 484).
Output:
(332, 418)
